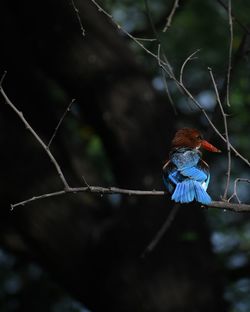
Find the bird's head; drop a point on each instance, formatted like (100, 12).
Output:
(192, 138)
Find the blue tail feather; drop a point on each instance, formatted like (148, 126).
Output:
(188, 190)
(184, 192)
(200, 194)
(177, 193)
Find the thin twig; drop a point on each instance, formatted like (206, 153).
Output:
(229, 161)
(36, 136)
(189, 58)
(169, 220)
(91, 189)
(165, 81)
(229, 52)
(168, 92)
(60, 121)
(171, 14)
(146, 39)
(86, 183)
(78, 17)
(2, 78)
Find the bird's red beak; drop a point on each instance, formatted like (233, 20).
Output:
(206, 145)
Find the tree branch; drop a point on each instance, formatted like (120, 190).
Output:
(115, 190)
(36, 136)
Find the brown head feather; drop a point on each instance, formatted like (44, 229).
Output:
(187, 137)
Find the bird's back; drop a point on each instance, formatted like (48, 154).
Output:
(186, 176)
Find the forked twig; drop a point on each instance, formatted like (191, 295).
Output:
(100, 9)
(235, 189)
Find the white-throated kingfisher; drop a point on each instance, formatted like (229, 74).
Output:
(185, 174)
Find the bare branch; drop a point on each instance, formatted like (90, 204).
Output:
(171, 14)
(235, 189)
(60, 121)
(230, 206)
(90, 189)
(78, 17)
(100, 9)
(169, 220)
(36, 136)
(116, 190)
(228, 173)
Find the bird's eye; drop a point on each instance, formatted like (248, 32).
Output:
(199, 137)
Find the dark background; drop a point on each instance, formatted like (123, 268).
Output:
(83, 251)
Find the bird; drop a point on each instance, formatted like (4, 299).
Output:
(185, 174)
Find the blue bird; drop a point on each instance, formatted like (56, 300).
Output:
(185, 175)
